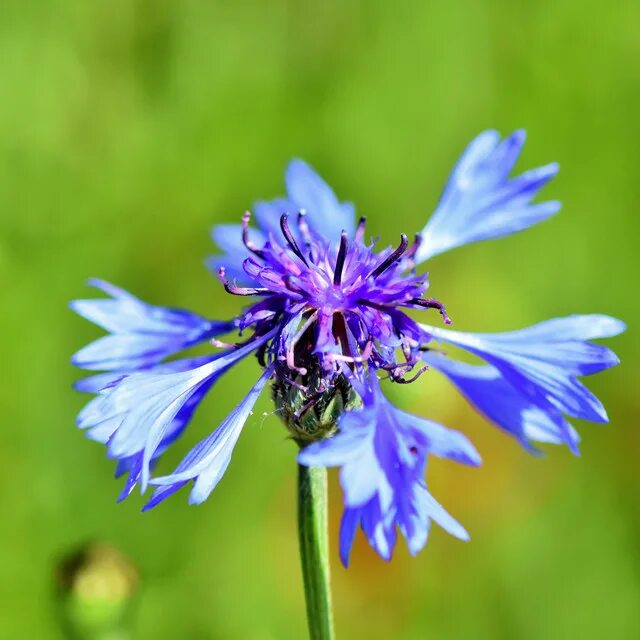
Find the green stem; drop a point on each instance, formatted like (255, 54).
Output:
(314, 552)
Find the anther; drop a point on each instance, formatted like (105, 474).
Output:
(222, 345)
(363, 357)
(342, 253)
(286, 232)
(359, 234)
(245, 236)
(392, 258)
(432, 303)
(303, 225)
(417, 241)
(241, 291)
(413, 378)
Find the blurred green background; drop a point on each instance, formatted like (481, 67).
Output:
(128, 127)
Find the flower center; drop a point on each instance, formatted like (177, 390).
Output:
(335, 306)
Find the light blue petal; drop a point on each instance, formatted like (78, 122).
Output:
(567, 329)
(162, 493)
(443, 442)
(437, 513)
(141, 334)
(544, 365)
(413, 518)
(361, 480)
(380, 532)
(348, 527)
(173, 431)
(539, 426)
(208, 460)
(382, 453)
(356, 434)
(503, 404)
(268, 214)
(123, 351)
(98, 382)
(115, 314)
(147, 404)
(101, 381)
(233, 270)
(150, 402)
(229, 238)
(309, 192)
(124, 313)
(158, 431)
(480, 202)
(102, 431)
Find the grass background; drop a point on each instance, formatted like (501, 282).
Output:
(128, 127)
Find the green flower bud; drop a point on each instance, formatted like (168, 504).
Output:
(95, 586)
(312, 414)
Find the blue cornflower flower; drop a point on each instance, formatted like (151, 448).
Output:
(331, 319)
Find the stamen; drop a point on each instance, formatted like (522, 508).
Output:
(222, 345)
(303, 225)
(305, 232)
(247, 291)
(417, 241)
(245, 236)
(432, 303)
(241, 291)
(291, 347)
(305, 407)
(366, 354)
(401, 380)
(282, 375)
(394, 367)
(392, 258)
(292, 286)
(342, 252)
(359, 234)
(286, 232)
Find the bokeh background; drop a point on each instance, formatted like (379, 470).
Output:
(129, 127)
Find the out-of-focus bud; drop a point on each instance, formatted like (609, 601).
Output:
(96, 586)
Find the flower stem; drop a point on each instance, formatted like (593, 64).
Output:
(312, 532)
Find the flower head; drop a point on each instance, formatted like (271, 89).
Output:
(329, 315)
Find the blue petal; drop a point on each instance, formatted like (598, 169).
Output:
(504, 404)
(353, 449)
(348, 444)
(173, 431)
(575, 327)
(443, 442)
(309, 192)
(382, 453)
(542, 361)
(233, 270)
(98, 382)
(125, 351)
(101, 381)
(379, 529)
(209, 459)
(143, 409)
(268, 214)
(348, 527)
(436, 512)
(481, 202)
(229, 238)
(141, 334)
